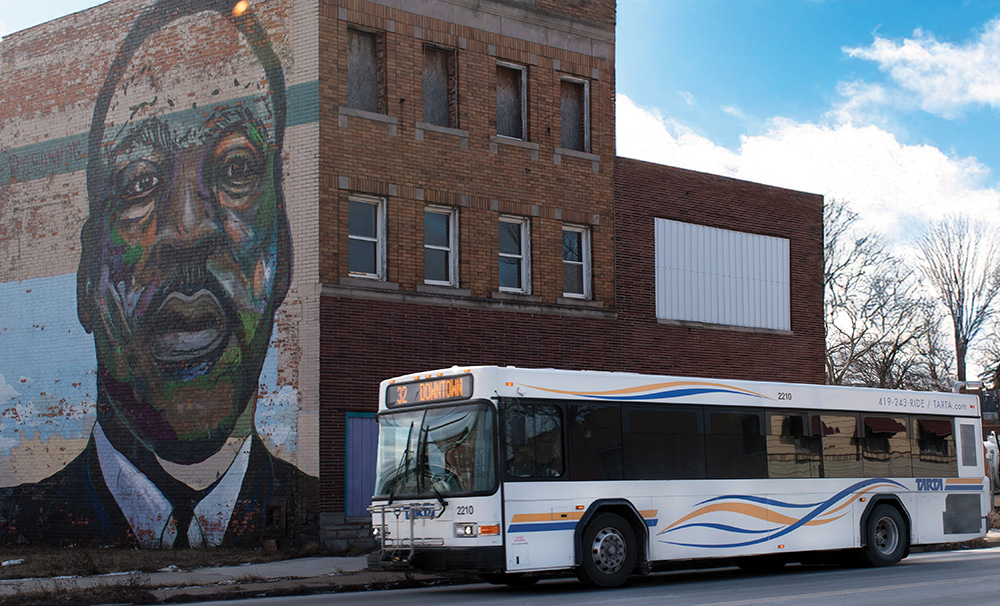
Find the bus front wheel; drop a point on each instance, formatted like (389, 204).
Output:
(609, 551)
(886, 536)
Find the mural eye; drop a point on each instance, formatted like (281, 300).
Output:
(238, 166)
(135, 185)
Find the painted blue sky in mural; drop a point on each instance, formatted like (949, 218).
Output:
(58, 398)
(890, 105)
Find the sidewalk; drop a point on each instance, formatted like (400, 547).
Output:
(302, 575)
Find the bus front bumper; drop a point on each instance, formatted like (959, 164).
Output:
(439, 559)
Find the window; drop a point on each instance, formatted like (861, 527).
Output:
(574, 111)
(512, 113)
(841, 458)
(440, 87)
(514, 255)
(933, 447)
(792, 452)
(440, 246)
(534, 441)
(718, 276)
(576, 262)
(886, 447)
(366, 238)
(595, 442)
(365, 71)
(735, 444)
(663, 443)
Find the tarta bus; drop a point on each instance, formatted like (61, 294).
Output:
(515, 474)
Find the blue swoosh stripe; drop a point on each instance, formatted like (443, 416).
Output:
(801, 522)
(677, 393)
(967, 487)
(543, 527)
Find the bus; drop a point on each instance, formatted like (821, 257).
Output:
(516, 474)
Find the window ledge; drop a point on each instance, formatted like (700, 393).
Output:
(580, 302)
(391, 122)
(369, 283)
(572, 153)
(594, 159)
(452, 291)
(445, 130)
(515, 296)
(513, 142)
(420, 127)
(732, 327)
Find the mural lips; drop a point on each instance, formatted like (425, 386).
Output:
(191, 328)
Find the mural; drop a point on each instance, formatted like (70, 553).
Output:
(185, 258)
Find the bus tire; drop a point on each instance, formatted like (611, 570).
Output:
(886, 536)
(609, 551)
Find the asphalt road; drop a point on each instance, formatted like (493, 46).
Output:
(955, 578)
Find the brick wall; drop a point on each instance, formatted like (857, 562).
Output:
(365, 341)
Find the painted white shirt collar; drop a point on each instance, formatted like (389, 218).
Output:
(150, 514)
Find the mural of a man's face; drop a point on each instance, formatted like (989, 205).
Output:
(186, 253)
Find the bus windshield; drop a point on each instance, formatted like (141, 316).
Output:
(436, 452)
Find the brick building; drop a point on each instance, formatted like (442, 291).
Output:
(452, 195)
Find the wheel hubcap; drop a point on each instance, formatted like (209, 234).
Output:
(609, 550)
(886, 536)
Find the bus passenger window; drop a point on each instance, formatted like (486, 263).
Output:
(595, 442)
(735, 445)
(886, 447)
(841, 458)
(934, 448)
(663, 443)
(533, 446)
(792, 451)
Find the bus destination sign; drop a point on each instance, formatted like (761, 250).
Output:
(426, 391)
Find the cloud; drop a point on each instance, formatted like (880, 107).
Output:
(6, 391)
(688, 98)
(896, 188)
(948, 77)
(647, 135)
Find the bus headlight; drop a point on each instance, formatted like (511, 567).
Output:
(465, 530)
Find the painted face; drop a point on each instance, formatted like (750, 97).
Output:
(186, 279)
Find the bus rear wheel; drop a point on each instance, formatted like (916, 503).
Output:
(609, 551)
(886, 536)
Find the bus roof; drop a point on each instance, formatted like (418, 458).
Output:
(603, 386)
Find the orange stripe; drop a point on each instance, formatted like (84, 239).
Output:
(963, 481)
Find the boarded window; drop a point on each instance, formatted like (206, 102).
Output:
(510, 102)
(440, 87)
(574, 128)
(364, 78)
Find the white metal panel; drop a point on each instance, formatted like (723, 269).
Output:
(719, 276)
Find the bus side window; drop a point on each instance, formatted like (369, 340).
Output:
(533, 446)
(934, 448)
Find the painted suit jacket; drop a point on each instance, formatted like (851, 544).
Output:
(75, 506)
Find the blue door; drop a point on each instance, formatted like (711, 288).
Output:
(362, 445)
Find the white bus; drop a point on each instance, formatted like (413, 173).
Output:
(516, 474)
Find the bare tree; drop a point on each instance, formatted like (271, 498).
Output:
(961, 261)
(858, 272)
